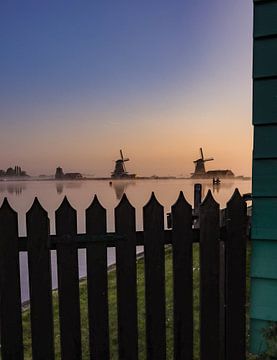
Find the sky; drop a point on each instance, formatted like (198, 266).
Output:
(80, 80)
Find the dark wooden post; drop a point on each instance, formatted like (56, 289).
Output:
(98, 310)
(153, 220)
(235, 249)
(182, 278)
(10, 297)
(125, 224)
(209, 279)
(40, 283)
(68, 282)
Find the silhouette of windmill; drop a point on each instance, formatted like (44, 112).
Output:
(120, 168)
(200, 170)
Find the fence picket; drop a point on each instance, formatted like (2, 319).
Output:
(97, 282)
(40, 283)
(10, 312)
(68, 282)
(182, 278)
(153, 221)
(209, 279)
(125, 224)
(235, 277)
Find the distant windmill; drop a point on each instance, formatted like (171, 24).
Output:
(120, 168)
(200, 165)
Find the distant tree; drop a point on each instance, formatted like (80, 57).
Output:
(10, 172)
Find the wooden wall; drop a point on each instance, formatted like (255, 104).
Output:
(264, 229)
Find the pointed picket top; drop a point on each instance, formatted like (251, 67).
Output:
(96, 218)
(181, 202)
(236, 206)
(8, 220)
(6, 207)
(153, 202)
(235, 198)
(65, 207)
(124, 203)
(95, 204)
(209, 201)
(36, 207)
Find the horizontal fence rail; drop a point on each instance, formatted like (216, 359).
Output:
(222, 248)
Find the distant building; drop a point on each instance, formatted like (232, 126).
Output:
(73, 176)
(68, 176)
(219, 173)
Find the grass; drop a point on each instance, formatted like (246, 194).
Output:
(141, 312)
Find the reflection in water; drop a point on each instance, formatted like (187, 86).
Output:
(216, 188)
(61, 185)
(120, 187)
(222, 186)
(12, 188)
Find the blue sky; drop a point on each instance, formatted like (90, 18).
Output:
(81, 79)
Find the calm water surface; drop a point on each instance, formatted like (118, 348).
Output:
(80, 194)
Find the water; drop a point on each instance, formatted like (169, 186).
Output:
(80, 194)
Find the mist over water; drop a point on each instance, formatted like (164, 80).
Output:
(21, 195)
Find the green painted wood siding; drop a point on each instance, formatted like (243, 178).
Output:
(264, 177)
(265, 141)
(264, 307)
(265, 18)
(264, 222)
(264, 219)
(265, 102)
(264, 256)
(265, 57)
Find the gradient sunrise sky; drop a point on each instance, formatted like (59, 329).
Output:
(158, 78)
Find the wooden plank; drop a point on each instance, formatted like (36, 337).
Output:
(222, 301)
(235, 278)
(68, 283)
(153, 220)
(182, 278)
(264, 101)
(40, 283)
(97, 282)
(125, 224)
(265, 57)
(265, 139)
(110, 239)
(265, 14)
(10, 305)
(209, 279)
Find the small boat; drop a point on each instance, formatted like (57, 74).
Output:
(216, 181)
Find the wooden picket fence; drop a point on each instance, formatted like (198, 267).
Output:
(222, 280)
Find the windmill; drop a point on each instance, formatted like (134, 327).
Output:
(120, 168)
(200, 170)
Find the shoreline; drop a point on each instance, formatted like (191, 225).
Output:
(244, 178)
